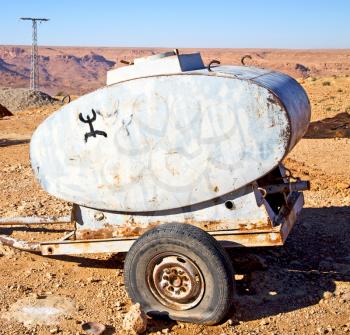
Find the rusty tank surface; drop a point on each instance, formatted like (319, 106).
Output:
(172, 162)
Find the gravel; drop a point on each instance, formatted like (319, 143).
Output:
(17, 99)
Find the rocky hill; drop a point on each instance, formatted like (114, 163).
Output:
(73, 70)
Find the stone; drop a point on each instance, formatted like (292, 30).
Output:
(330, 329)
(327, 295)
(230, 322)
(50, 275)
(135, 320)
(92, 280)
(264, 322)
(94, 328)
(342, 186)
(346, 296)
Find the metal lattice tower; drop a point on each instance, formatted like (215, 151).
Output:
(34, 71)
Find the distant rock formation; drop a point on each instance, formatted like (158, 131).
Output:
(78, 70)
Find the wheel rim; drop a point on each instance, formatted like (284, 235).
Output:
(175, 281)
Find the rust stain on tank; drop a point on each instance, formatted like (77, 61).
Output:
(215, 225)
(117, 181)
(251, 239)
(131, 229)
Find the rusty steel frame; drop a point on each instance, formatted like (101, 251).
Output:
(234, 238)
(260, 237)
(275, 236)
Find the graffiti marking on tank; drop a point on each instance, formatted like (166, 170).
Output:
(127, 124)
(90, 120)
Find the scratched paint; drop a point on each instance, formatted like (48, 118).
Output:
(171, 140)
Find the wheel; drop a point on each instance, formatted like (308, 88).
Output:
(180, 271)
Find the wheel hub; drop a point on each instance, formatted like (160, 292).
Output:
(175, 281)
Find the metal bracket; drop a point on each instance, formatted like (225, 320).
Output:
(214, 61)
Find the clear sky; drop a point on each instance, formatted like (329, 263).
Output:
(180, 23)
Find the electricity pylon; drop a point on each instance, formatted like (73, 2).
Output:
(34, 70)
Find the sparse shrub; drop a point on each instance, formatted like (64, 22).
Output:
(326, 83)
(339, 90)
(313, 79)
(60, 93)
(328, 109)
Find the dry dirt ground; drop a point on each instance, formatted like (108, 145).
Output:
(300, 288)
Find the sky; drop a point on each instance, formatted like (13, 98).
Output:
(296, 24)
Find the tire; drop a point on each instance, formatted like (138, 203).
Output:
(180, 271)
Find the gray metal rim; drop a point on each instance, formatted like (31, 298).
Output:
(175, 281)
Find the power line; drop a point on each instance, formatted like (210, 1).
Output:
(34, 71)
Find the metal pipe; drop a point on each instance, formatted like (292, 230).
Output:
(34, 220)
(19, 244)
(287, 187)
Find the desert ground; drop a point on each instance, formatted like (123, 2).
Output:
(300, 288)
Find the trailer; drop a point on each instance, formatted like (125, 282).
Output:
(173, 162)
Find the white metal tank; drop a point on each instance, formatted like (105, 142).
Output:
(167, 132)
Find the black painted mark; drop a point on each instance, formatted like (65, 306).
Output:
(90, 120)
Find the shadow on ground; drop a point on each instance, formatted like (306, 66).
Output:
(337, 126)
(10, 230)
(4, 142)
(316, 254)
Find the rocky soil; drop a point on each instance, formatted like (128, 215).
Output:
(300, 288)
